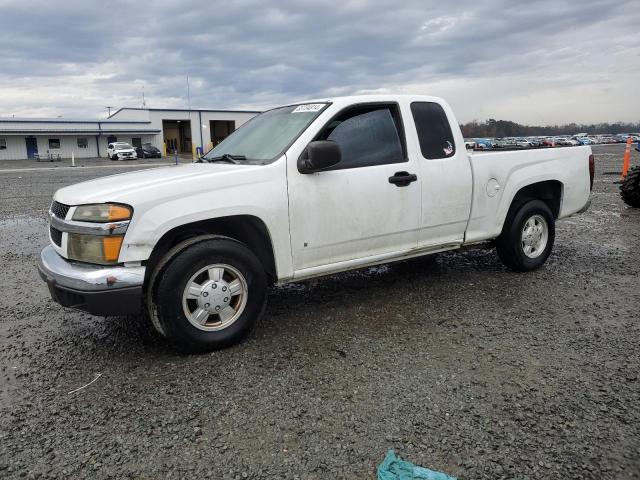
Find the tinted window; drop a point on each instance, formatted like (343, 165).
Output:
(54, 143)
(367, 136)
(434, 131)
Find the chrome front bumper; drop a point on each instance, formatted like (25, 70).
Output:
(97, 289)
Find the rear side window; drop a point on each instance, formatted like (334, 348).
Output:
(434, 131)
(367, 136)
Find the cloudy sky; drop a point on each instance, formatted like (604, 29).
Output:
(537, 62)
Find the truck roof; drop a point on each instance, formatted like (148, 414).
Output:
(377, 97)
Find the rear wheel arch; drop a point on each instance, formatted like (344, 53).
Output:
(549, 191)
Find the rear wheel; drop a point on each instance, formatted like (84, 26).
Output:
(209, 295)
(630, 188)
(527, 236)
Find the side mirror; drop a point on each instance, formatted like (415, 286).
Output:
(318, 156)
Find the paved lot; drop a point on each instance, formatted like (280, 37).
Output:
(90, 163)
(451, 360)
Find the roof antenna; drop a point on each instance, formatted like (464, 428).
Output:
(144, 103)
(109, 108)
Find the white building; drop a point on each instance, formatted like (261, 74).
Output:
(181, 130)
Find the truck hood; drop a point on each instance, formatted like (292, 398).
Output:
(157, 183)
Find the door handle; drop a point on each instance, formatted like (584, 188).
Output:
(402, 179)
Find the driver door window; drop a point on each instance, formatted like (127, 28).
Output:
(367, 136)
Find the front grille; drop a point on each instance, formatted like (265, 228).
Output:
(56, 236)
(60, 210)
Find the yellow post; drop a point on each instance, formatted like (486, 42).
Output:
(164, 150)
(193, 152)
(627, 159)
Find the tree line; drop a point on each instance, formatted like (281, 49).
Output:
(505, 128)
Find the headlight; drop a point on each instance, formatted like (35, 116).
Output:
(102, 212)
(103, 250)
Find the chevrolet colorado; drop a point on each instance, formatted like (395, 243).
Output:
(300, 191)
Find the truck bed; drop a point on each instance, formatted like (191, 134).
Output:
(499, 175)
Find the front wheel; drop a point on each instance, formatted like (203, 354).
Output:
(209, 295)
(527, 236)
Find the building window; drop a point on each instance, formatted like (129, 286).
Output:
(221, 129)
(54, 144)
(136, 142)
(3, 143)
(83, 143)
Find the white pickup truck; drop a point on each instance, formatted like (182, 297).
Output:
(298, 192)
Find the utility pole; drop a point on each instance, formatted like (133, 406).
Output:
(188, 94)
(144, 103)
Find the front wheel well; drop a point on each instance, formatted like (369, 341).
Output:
(247, 229)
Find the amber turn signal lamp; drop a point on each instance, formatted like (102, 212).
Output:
(111, 247)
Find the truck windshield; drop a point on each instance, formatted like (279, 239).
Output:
(266, 136)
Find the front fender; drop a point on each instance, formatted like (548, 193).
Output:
(265, 199)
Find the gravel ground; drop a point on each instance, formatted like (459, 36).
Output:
(451, 360)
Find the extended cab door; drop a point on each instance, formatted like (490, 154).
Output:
(444, 170)
(361, 207)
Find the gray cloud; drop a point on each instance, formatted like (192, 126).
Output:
(539, 62)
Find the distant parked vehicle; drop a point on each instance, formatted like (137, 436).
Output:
(523, 143)
(483, 144)
(121, 151)
(549, 142)
(583, 140)
(469, 144)
(147, 150)
(563, 142)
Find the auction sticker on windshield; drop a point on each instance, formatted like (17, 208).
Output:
(309, 107)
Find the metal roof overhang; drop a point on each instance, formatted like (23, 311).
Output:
(77, 132)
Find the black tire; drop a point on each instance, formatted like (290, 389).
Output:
(170, 281)
(630, 188)
(509, 243)
(113, 157)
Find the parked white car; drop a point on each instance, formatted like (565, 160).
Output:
(298, 192)
(567, 142)
(121, 151)
(523, 143)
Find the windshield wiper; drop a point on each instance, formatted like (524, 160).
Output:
(226, 157)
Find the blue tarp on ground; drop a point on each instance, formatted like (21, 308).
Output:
(394, 468)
